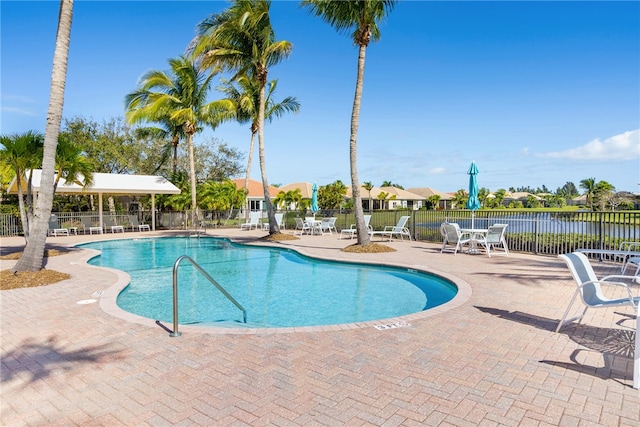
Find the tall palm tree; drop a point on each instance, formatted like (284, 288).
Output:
(166, 129)
(33, 254)
(180, 99)
(589, 187)
(241, 39)
(246, 100)
(23, 152)
(359, 19)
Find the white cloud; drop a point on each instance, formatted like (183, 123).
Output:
(437, 171)
(625, 146)
(19, 111)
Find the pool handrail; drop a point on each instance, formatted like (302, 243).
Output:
(175, 332)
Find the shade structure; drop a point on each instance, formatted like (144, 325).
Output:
(473, 203)
(314, 198)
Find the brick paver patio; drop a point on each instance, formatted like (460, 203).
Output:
(489, 358)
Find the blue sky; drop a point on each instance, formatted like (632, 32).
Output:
(537, 93)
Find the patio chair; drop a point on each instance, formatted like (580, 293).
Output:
(590, 289)
(279, 220)
(254, 221)
(301, 227)
(112, 222)
(351, 231)
(399, 229)
(494, 239)
(328, 224)
(133, 220)
(452, 235)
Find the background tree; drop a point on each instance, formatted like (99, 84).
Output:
(433, 202)
(22, 152)
(71, 164)
(602, 193)
(391, 184)
(499, 195)
(33, 254)
(460, 199)
(220, 197)
(288, 198)
(332, 196)
(589, 187)
(359, 19)
(242, 39)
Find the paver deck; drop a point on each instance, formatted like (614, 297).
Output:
(490, 359)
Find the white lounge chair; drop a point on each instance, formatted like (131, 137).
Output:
(590, 290)
(351, 231)
(254, 221)
(494, 239)
(399, 229)
(452, 235)
(301, 227)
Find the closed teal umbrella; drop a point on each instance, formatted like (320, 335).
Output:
(314, 199)
(473, 203)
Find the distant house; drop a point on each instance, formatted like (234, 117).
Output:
(256, 193)
(305, 191)
(388, 198)
(426, 192)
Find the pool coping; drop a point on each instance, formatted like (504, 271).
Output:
(108, 299)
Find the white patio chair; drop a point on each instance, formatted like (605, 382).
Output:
(494, 239)
(452, 235)
(351, 231)
(301, 227)
(254, 221)
(590, 287)
(399, 229)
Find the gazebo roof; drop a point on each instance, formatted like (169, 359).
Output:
(107, 183)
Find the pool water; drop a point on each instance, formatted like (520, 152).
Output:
(277, 287)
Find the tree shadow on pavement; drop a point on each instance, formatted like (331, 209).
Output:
(41, 359)
(615, 345)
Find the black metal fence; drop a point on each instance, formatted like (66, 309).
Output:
(548, 233)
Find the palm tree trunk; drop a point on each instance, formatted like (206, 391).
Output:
(362, 233)
(274, 228)
(23, 212)
(32, 257)
(248, 174)
(192, 173)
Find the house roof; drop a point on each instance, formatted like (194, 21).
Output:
(376, 191)
(427, 192)
(255, 188)
(304, 187)
(107, 183)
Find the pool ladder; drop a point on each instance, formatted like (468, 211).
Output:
(175, 332)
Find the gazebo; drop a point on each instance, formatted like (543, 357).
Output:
(108, 183)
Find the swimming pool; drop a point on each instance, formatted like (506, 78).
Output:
(277, 287)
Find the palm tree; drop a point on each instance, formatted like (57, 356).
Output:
(360, 20)
(246, 101)
(241, 39)
(368, 186)
(589, 185)
(166, 130)
(178, 98)
(71, 164)
(33, 254)
(23, 152)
